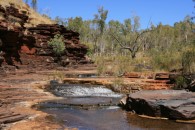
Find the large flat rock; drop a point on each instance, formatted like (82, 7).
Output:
(172, 104)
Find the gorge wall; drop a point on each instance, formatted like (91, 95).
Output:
(22, 46)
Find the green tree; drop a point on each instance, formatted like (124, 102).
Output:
(100, 24)
(188, 61)
(136, 23)
(34, 4)
(193, 17)
(131, 38)
(75, 24)
(58, 45)
(60, 21)
(115, 27)
(127, 27)
(100, 19)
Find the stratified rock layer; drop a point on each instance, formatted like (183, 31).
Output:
(28, 48)
(172, 104)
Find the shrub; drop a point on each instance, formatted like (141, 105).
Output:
(180, 82)
(90, 48)
(112, 65)
(165, 60)
(57, 43)
(188, 61)
(57, 75)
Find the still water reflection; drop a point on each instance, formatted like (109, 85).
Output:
(111, 118)
(108, 117)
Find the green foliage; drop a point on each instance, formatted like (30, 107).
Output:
(57, 75)
(75, 24)
(118, 83)
(112, 65)
(90, 48)
(57, 43)
(163, 47)
(101, 66)
(181, 82)
(166, 60)
(100, 19)
(188, 61)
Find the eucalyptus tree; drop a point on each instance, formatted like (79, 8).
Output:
(114, 27)
(75, 24)
(131, 38)
(34, 4)
(100, 21)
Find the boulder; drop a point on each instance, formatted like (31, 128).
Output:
(172, 104)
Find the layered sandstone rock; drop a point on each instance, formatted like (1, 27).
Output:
(11, 32)
(20, 46)
(75, 52)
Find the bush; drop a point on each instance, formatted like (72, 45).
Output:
(112, 65)
(181, 82)
(90, 48)
(165, 60)
(188, 61)
(57, 43)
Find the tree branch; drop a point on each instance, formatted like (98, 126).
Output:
(120, 43)
(139, 35)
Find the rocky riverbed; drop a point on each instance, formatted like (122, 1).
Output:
(95, 107)
(17, 94)
(22, 90)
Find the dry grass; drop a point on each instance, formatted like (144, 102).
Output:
(34, 17)
(8, 2)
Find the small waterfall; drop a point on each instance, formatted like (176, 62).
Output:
(94, 107)
(72, 90)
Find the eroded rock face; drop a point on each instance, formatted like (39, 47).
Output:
(75, 52)
(20, 46)
(172, 104)
(11, 32)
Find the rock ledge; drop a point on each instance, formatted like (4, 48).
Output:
(172, 104)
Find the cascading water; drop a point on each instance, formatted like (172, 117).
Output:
(84, 90)
(86, 96)
(94, 107)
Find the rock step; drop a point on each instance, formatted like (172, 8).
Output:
(162, 76)
(157, 81)
(12, 118)
(4, 113)
(9, 114)
(132, 75)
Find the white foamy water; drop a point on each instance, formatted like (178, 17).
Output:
(84, 90)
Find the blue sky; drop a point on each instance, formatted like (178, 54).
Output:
(165, 11)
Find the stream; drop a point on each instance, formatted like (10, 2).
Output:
(94, 107)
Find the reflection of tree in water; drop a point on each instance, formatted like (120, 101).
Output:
(152, 124)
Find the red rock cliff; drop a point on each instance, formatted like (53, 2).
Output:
(28, 47)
